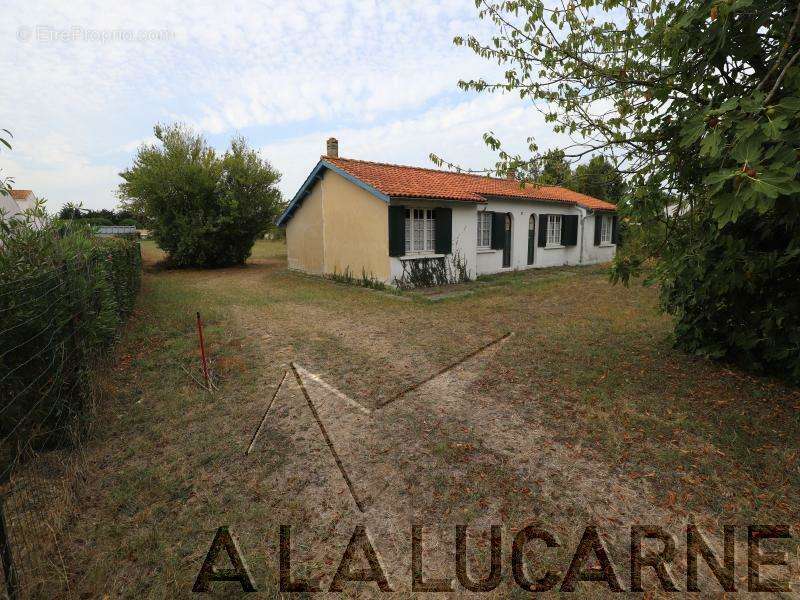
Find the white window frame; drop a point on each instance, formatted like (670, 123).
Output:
(553, 230)
(606, 229)
(420, 225)
(484, 230)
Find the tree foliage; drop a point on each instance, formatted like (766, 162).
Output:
(601, 179)
(64, 293)
(598, 178)
(698, 102)
(72, 211)
(204, 209)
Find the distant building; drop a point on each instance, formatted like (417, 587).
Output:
(17, 202)
(116, 231)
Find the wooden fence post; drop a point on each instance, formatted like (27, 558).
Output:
(203, 351)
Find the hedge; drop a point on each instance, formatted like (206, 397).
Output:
(63, 296)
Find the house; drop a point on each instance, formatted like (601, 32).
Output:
(387, 221)
(16, 202)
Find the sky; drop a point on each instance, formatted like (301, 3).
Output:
(84, 83)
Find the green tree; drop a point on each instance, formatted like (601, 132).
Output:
(555, 169)
(71, 211)
(699, 102)
(601, 179)
(204, 209)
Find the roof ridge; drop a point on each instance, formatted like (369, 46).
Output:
(385, 164)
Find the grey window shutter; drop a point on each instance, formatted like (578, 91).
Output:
(397, 230)
(543, 230)
(598, 225)
(498, 230)
(614, 231)
(569, 230)
(444, 230)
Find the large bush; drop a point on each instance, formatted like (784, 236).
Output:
(203, 209)
(63, 296)
(735, 290)
(699, 102)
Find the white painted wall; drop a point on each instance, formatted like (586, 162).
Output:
(13, 208)
(595, 254)
(465, 233)
(485, 261)
(9, 206)
(521, 210)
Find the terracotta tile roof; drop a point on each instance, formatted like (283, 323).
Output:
(417, 182)
(20, 194)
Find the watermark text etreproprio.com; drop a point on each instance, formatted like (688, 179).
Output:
(76, 33)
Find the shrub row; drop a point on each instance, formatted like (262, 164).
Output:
(63, 296)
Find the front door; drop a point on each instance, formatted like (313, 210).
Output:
(507, 244)
(531, 238)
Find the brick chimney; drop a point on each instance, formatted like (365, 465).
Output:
(511, 173)
(332, 148)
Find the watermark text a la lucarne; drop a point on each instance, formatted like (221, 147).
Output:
(652, 549)
(49, 34)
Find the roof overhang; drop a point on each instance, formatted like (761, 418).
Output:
(453, 201)
(548, 201)
(316, 175)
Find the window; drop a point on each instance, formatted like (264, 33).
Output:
(484, 229)
(420, 230)
(606, 226)
(553, 230)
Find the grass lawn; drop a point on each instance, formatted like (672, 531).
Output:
(585, 415)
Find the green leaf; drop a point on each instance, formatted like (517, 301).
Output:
(747, 151)
(711, 144)
(780, 184)
(720, 176)
(692, 131)
(726, 106)
(774, 127)
(750, 105)
(790, 103)
(762, 187)
(746, 128)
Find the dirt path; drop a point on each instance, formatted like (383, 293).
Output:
(442, 455)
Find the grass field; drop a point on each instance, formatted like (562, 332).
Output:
(585, 415)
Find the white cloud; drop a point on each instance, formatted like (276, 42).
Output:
(381, 74)
(453, 132)
(134, 145)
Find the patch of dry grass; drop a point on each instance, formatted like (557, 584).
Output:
(585, 415)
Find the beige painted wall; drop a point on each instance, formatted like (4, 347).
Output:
(304, 242)
(356, 229)
(339, 225)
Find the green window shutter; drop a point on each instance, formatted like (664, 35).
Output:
(614, 231)
(444, 230)
(543, 230)
(498, 230)
(531, 244)
(397, 230)
(569, 230)
(598, 225)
